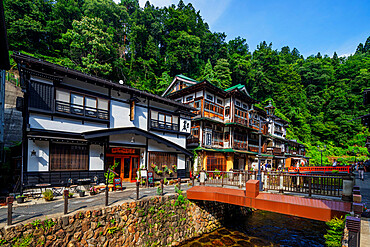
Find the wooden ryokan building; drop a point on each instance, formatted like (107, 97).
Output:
(225, 131)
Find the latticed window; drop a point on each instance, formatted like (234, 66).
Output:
(159, 159)
(68, 157)
(216, 161)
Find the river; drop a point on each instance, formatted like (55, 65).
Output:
(262, 228)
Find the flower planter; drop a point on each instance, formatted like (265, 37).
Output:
(20, 199)
(92, 193)
(81, 193)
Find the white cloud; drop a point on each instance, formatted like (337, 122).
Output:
(345, 55)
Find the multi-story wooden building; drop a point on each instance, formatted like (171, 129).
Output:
(76, 125)
(226, 129)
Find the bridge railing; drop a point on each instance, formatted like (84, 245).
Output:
(305, 184)
(311, 184)
(230, 178)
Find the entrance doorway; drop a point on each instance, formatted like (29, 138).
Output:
(125, 165)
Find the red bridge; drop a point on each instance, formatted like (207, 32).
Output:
(317, 209)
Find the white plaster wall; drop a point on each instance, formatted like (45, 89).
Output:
(126, 139)
(40, 162)
(211, 94)
(120, 116)
(181, 161)
(199, 93)
(154, 146)
(96, 163)
(181, 140)
(192, 94)
(43, 122)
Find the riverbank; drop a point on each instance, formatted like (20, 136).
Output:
(159, 221)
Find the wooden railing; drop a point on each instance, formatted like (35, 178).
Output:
(305, 184)
(281, 181)
(346, 169)
(240, 144)
(231, 178)
(163, 125)
(81, 110)
(212, 110)
(192, 140)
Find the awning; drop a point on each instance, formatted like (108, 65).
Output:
(134, 130)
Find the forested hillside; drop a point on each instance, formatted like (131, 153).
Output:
(146, 47)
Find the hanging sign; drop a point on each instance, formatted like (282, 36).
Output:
(185, 125)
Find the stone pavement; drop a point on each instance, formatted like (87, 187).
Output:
(41, 209)
(365, 222)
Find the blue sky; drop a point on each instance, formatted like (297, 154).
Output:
(309, 25)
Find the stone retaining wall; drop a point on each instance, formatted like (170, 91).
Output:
(156, 221)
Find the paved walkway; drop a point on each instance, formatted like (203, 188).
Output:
(365, 222)
(39, 208)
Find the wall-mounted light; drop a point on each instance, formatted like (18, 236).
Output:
(133, 138)
(33, 153)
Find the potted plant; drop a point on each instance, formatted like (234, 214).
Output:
(20, 198)
(93, 190)
(81, 193)
(48, 195)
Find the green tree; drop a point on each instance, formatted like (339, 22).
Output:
(90, 46)
(223, 73)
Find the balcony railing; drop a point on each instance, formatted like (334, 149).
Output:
(241, 145)
(80, 110)
(277, 151)
(254, 123)
(240, 120)
(212, 110)
(163, 125)
(191, 140)
(216, 143)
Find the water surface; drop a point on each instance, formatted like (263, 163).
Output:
(263, 228)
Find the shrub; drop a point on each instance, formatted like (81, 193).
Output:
(335, 231)
(159, 191)
(48, 195)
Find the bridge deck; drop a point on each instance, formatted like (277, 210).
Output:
(317, 209)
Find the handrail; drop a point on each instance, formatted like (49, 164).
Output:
(311, 184)
(82, 110)
(321, 169)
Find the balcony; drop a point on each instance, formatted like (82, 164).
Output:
(240, 120)
(254, 123)
(216, 143)
(156, 124)
(240, 145)
(85, 111)
(212, 110)
(277, 151)
(192, 141)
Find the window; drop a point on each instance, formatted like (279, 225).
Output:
(162, 159)
(69, 102)
(164, 121)
(219, 101)
(68, 157)
(227, 111)
(195, 131)
(209, 97)
(189, 98)
(237, 103)
(245, 106)
(216, 161)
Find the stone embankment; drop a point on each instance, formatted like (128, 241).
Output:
(156, 221)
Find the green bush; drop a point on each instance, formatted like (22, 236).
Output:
(159, 191)
(335, 232)
(48, 195)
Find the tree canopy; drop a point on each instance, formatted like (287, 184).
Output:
(146, 47)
